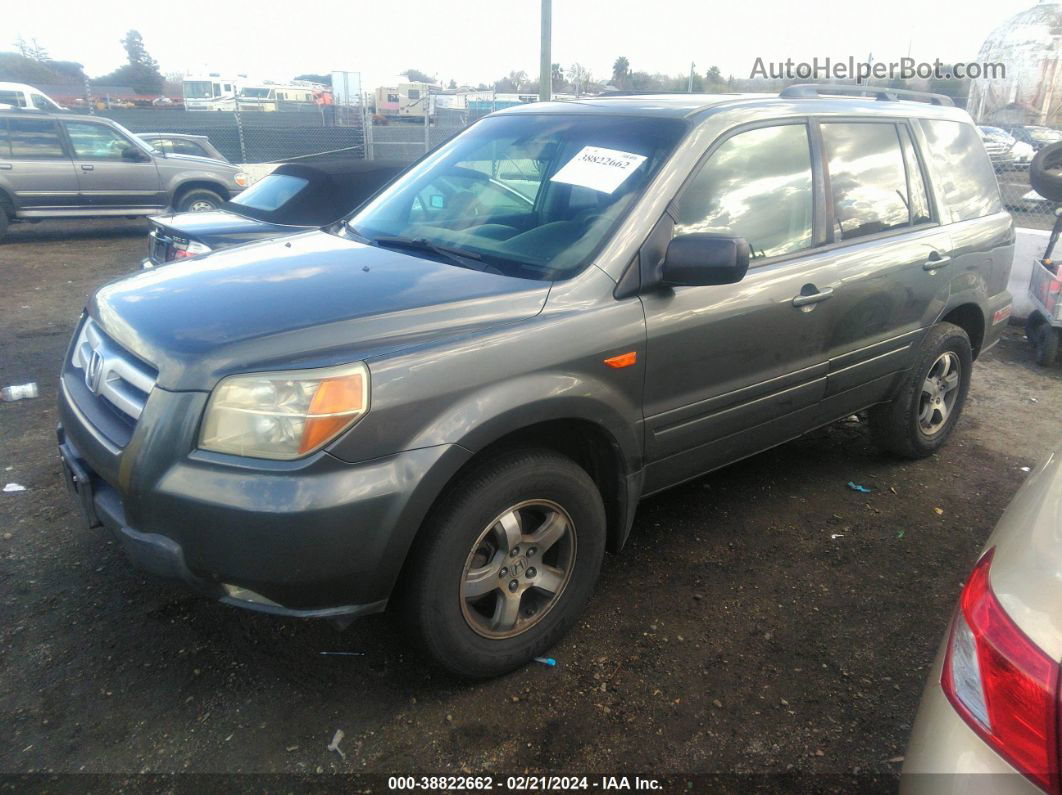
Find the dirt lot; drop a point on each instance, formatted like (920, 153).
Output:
(763, 619)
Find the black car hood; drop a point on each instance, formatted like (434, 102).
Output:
(311, 300)
(220, 228)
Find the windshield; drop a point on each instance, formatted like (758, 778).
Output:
(529, 195)
(198, 89)
(255, 92)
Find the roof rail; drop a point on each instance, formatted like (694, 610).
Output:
(881, 94)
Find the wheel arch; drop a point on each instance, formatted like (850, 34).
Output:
(194, 184)
(971, 319)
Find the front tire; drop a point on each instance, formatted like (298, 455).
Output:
(919, 420)
(506, 563)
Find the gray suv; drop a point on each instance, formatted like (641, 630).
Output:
(451, 402)
(71, 166)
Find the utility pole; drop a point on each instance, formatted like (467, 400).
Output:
(545, 61)
(689, 86)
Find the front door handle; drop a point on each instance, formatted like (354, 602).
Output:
(813, 298)
(936, 260)
(87, 167)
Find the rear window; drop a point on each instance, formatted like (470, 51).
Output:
(13, 98)
(271, 192)
(964, 174)
(35, 139)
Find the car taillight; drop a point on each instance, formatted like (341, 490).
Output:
(188, 248)
(1001, 683)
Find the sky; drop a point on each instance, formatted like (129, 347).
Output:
(475, 41)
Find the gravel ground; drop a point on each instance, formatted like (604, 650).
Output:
(763, 619)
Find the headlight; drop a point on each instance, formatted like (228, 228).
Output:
(284, 415)
(241, 179)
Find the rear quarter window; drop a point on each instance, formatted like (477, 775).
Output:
(964, 175)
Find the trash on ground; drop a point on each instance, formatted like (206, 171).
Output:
(337, 738)
(1025, 469)
(859, 488)
(901, 534)
(342, 653)
(20, 391)
(10, 487)
(546, 660)
(938, 511)
(835, 536)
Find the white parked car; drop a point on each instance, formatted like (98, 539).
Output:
(19, 95)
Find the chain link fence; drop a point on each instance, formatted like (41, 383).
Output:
(257, 136)
(1030, 210)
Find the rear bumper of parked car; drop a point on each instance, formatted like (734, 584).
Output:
(945, 755)
(327, 538)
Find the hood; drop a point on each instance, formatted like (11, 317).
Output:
(199, 159)
(1026, 571)
(221, 228)
(309, 300)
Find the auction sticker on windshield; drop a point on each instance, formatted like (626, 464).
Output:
(599, 169)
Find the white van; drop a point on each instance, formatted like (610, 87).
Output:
(19, 95)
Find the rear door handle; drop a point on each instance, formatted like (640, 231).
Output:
(813, 298)
(87, 167)
(935, 261)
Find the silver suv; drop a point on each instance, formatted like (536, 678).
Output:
(71, 166)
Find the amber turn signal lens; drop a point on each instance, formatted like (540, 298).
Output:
(623, 360)
(336, 403)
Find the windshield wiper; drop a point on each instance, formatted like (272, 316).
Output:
(464, 259)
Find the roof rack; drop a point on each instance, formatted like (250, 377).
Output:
(881, 94)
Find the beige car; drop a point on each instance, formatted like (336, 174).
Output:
(989, 718)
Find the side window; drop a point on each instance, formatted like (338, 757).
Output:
(13, 98)
(414, 93)
(962, 169)
(41, 102)
(756, 185)
(35, 139)
(183, 147)
(95, 142)
(920, 212)
(5, 142)
(867, 178)
(161, 144)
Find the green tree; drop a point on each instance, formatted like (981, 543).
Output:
(417, 76)
(452, 85)
(714, 78)
(557, 77)
(313, 77)
(621, 72)
(141, 73)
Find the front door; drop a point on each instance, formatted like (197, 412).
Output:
(107, 178)
(734, 369)
(35, 166)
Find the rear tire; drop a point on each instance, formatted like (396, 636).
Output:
(1045, 344)
(198, 200)
(918, 421)
(506, 563)
(3, 221)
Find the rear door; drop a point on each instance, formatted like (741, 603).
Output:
(35, 165)
(106, 178)
(892, 256)
(737, 368)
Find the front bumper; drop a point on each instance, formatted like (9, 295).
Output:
(944, 755)
(314, 538)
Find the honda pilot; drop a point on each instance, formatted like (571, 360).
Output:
(451, 402)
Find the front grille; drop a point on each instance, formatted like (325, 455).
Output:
(107, 383)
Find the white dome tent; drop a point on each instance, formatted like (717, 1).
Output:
(1029, 44)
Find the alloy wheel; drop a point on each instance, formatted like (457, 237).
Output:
(940, 390)
(518, 568)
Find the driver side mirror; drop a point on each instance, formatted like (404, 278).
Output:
(704, 259)
(134, 154)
